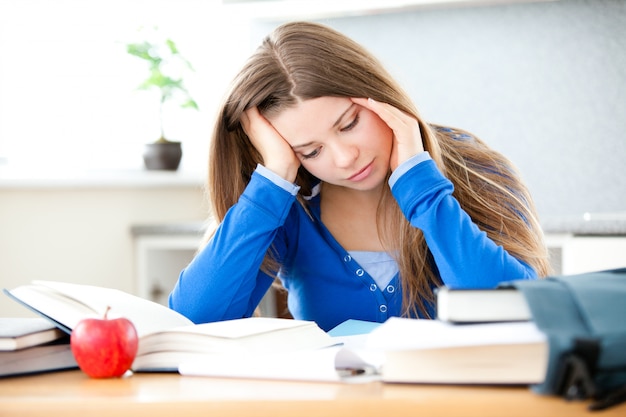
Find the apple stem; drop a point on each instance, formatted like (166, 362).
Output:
(107, 312)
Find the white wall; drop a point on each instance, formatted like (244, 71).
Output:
(82, 234)
(544, 83)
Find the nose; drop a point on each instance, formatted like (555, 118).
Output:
(345, 154)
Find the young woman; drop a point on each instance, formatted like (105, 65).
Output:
(323, 174)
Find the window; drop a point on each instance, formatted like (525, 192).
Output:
(68, 97)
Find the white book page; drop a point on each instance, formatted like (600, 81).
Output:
(69, 303)
(325, 365)
(238, 328)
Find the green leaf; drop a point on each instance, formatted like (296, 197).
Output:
(172, 47)
(141, 50)
(169, 87)
(190, 104)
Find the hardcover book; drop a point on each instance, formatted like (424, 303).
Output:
(55, 356)
(435, 352)
(23, 332)
(481, 305)
(166, 337)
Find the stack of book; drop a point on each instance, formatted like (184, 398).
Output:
(166, 337)
(480, 337)
(33, 345)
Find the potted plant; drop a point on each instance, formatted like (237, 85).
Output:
(166, 66)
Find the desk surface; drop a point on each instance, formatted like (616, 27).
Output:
(72, 393)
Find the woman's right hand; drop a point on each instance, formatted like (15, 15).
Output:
(276, 153)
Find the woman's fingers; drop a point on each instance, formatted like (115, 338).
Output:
(255, 126)
(406, 132)
(276, 153)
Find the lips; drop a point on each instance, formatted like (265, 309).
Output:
(363, 173)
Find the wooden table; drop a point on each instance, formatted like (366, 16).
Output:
(72, 393)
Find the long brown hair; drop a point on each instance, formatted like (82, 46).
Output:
(303, 60)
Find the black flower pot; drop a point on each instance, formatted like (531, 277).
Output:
(162, 156)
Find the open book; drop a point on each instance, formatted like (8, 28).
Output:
(166, 338)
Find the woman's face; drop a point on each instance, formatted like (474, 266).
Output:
(338, 141)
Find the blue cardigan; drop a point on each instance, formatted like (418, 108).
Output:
(324, 283)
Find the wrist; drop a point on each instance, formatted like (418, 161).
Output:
(278, 180)
(288, 173)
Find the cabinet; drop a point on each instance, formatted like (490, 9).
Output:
(576, 254)
(160, 257)
(159, 261)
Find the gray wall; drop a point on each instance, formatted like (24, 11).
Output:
(544, 83)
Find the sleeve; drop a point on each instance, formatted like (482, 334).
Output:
(277, 179)
(465, 256)
(404, 167)
(224, 280)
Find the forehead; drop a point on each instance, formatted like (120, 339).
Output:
(310, 120)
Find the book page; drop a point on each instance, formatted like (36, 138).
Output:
(53, 305)
(238, 328)
(69, 303)
(246, 335)
(304, 365)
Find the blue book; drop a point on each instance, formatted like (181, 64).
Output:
(353, 327)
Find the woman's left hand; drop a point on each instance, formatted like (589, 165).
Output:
(407, 139)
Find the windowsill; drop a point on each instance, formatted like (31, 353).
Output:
(587, 224)
(131, 178)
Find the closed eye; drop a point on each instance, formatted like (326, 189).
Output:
(352, 124)
(311, 154)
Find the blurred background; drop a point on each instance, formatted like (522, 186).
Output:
(541, 81)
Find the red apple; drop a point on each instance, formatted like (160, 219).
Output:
(104, 348)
